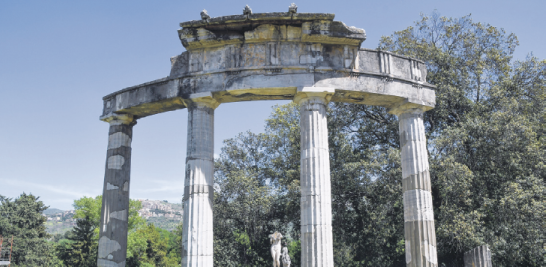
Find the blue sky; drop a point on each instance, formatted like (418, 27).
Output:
(59, 58)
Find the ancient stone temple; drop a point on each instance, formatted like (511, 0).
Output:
(306, 57)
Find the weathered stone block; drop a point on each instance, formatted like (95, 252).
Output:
(307, 57)
(316, 198)
(115, 195)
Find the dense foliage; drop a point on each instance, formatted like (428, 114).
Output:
(487, 148)
(486, 136)
(79, 246)
(151, 246)
(486, 140)
(147, 245)
(257, 193)
(22, 218)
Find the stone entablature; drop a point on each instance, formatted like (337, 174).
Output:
(289, 57)
(267, 56)
(308, 58)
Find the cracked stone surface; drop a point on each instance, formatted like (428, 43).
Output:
(115, 198)
(267, 56)
(197, 237)
(306, 57)
(419, 231)
(316, 196)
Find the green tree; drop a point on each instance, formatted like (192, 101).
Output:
(88, 207)
(174, 248)
(257, 192)
(243, 209)
(486, 138)
(152, 246)
(464, 60)
(23, 219)
(80, 247)
(486, 145)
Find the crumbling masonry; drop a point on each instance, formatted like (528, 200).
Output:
(305, 57)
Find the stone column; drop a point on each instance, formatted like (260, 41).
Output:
(478, 257)
(419, 232)
(115, 192)
(316, 198)
(197, 240)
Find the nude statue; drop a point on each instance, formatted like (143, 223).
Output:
(275, 240)
(285, 257)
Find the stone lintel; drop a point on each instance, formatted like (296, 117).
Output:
(119, 119)
(149, 99)
(267, 56)
(322, 93)
(204, 99)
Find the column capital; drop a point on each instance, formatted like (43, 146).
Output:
(410, 113)
(408, 106)
(205, 99)
(119, 119)
(314, 94)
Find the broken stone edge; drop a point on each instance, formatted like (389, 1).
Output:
(258, 17)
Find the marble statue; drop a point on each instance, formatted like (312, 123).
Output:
(275, 240)
(285, 257)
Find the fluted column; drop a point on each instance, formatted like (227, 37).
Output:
(197, 240)
(316, 198)
(478, 257)
(115, 192)
(419, 232)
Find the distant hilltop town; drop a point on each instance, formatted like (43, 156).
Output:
(157, 208)
(163, 214)
(59, 215)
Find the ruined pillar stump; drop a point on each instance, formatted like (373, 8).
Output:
(478, 257)
(316, 198)
(197, 241)
(115, 193)
(419, 232)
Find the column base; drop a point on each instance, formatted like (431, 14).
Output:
(198, 261)
(420, 244)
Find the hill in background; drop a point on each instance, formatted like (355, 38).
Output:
(161, 213)
(51, 211)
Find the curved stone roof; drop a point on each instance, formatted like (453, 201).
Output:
(268, 56)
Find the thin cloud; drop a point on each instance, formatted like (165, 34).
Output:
(176, 186)
(36, 187)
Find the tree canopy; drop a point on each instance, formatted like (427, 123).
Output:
(486, 149)
(487, 154)
(22, 218)
(147, 245)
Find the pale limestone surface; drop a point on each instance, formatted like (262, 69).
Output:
(419, 232)
(316, 197)
(267, 56)
(307, 57)
(197, 241)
